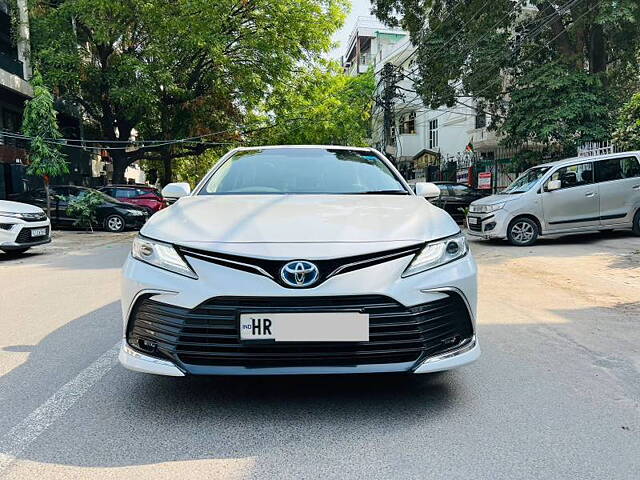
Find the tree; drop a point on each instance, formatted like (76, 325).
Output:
(550, 72)
(321, 105)
(627, 133)
(40, 123)
(174, 68)
(84, 208)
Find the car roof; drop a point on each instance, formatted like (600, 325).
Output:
(130, 186)
(332, 147)
(573, 160)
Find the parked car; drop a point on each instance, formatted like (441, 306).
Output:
(455, 198)
(569, 196)
(22, 226)
(112, 215)
(299, 260)
(141, 195)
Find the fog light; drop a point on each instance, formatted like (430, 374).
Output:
(6, 226)
(489, 226)
(147, 345)
(452, 248)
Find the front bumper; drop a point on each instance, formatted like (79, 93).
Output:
(488, 225)
(19, 236)
(215, 281)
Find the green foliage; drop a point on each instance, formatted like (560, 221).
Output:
(41, 125)
(84, 208)
(321, 105)
(175, 68)
(548, 71)
(627, 133)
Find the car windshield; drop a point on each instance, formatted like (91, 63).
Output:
(303, 171)
(82, 192)
(526, 181)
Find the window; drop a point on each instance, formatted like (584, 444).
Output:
(302, 171)
(526, 181)
(617, 169)
(408, 124)
(574, 175)
(433, 133)
(460, 190)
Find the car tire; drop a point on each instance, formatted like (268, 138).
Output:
(16, 251)
(114, 223)
(523, 232)
(636, 224)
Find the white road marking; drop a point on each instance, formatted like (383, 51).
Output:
(19, 437)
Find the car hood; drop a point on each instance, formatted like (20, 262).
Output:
(492, 199)
(18, 207)
(215, 221)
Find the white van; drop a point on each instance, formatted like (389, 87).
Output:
(569, 196)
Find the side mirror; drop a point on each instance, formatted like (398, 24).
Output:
(174, 191)
(554, 185)
(427, 190)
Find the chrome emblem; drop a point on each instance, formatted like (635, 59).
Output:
(299, 273)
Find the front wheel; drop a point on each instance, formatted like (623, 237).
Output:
(636, 224)
(523, 232)
(114, 223)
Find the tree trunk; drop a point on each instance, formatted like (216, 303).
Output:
(120, 164)
(597, 49)
(48, 195)
(167, 176)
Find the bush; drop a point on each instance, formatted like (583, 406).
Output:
(84, 208)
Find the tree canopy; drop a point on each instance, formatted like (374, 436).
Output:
(549, 71)
(175, 68)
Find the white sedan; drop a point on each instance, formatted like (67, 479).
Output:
(299, 260)
(22, 226)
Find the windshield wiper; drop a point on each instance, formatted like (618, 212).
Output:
(383, 192)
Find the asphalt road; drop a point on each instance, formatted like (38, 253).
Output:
(556, 394)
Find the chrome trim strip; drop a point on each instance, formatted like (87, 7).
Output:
(410, 251)
(459, 292)
(200, 256)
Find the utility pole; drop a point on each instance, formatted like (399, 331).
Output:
(388, 94)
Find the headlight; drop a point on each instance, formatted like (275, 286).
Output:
(486, 208)
(13, 215)
(438, 253)
(161, 255)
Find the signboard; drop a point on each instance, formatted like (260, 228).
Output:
(484, 181)
(462, 176)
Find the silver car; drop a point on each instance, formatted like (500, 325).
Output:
(580, 194)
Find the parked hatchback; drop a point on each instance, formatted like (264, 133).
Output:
(112, 215)
(299, 260)
(140, 195)
(581, 194)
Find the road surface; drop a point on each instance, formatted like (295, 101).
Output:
(555, 395)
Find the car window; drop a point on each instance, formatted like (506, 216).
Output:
(617, 169)
(460, 190)
(108, 191)
(574, 175)
(303, 171)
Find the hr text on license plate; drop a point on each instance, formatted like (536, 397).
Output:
(305, 327)
(38, 232)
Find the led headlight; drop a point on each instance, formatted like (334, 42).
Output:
(486, 208)
(161, 255)
(438, 253)
(13, 215)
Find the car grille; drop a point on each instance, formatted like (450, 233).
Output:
(476, 228)
(209, 334)
(25, 236)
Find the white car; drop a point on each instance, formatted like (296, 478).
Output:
(299, 260)
(22, 226)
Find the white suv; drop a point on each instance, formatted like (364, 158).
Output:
(301, 259)
(22, 226)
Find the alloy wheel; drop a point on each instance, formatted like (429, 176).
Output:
(115, 223)
(522, 232)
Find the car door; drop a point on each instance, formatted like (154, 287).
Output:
(618, 181)
(575, 206)
(63, 195)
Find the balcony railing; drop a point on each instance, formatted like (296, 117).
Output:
(11, 65)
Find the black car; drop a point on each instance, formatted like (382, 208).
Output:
(455, 197)
(112, 215)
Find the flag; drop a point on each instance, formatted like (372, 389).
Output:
(469, 147)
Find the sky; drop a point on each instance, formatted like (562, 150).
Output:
(358, 8)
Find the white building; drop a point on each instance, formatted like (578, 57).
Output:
(369, 41)
(420, 136)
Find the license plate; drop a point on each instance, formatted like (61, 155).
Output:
(38, 232)
(305, 327)
(472, 220)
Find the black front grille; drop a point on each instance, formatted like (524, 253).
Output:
(25, 236)
(476, 228)
(208, 335)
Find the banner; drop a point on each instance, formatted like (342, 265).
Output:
(484, 181)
